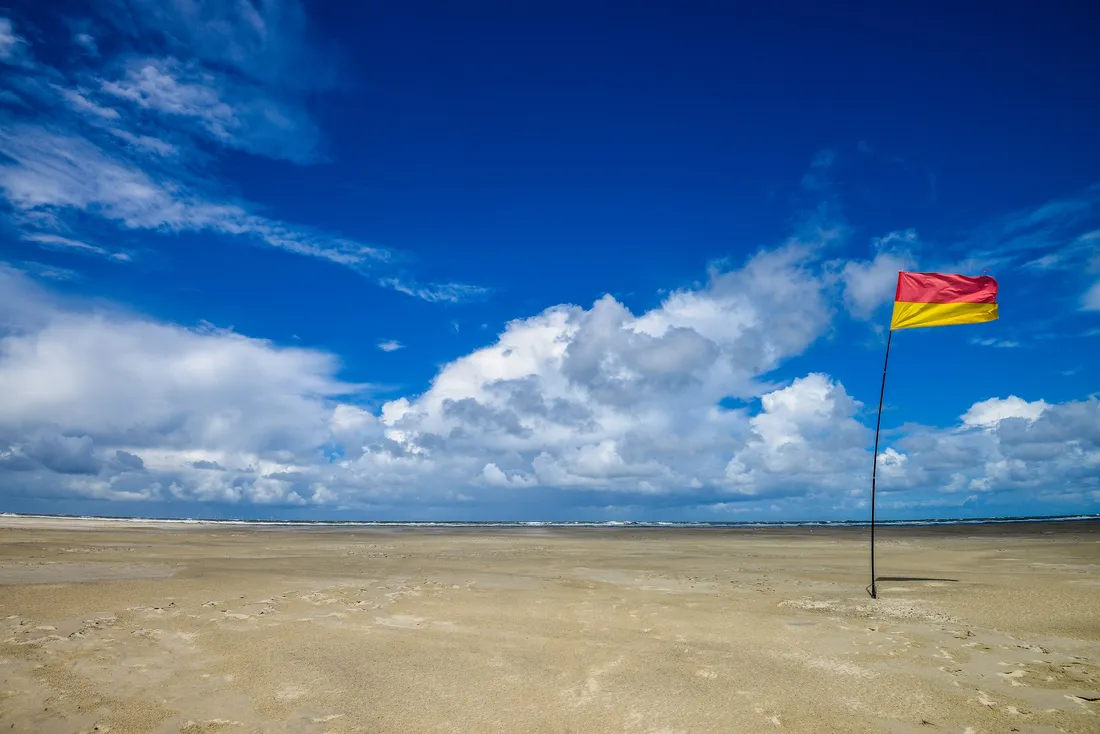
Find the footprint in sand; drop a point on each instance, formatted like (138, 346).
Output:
(1012, 675)
(591, 687)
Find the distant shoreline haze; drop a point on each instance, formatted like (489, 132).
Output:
(566, 523)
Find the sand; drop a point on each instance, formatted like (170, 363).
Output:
(165, 628)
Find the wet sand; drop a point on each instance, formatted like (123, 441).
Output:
(167, 628)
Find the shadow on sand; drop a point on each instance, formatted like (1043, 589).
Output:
(912, 578)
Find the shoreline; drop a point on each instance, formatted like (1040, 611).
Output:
(847, 531)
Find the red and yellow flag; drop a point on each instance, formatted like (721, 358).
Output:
(943, 299)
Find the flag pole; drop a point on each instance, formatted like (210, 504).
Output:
(874, 466)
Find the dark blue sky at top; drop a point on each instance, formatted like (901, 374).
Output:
(554, 152)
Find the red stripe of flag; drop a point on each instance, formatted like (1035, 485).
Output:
(945, 288)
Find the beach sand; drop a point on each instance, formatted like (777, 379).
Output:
(119, 627)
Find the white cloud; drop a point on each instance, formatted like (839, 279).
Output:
(156, 84)
(147, 143)
(139, 164)
(1091, 300)
(50, 174)
(83, 385)
(247, 73)
(10, 43)
(990, 412)
(999, 343)
(572, 397)
(390, 345)
(78, 100)
(230, 112)
(1053, 236)
(49, 272)
(494, 477)
(1006, 445)
(805, 434)
(110, 405)
(434, 292)
(268, 42)
(53, 241)
(603, 398)
(9, 97)
(871, 284)
(119, 375)
(87, 42)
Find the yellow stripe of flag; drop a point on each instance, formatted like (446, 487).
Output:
(912, 315)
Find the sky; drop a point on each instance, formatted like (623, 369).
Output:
(569, 261)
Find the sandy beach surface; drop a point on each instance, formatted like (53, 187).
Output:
(123, 627)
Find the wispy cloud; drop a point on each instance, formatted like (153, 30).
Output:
(1091, 300)
(816, 179)
(268, 42)
(230, 112)
(435, 292)
(87, 42)
(1073, 254)
(8, 97)
(1059, 235)
(390, 346)
(57, 242)
(79, 102)
(10, 42)
(49, 272)
(52, 174)
(870, 284)
(127, 139)
(1053, 235)
(147, 143)
(1000, 343)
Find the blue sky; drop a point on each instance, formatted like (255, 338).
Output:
(499, 261)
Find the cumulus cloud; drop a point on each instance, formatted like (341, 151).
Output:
(1043, 451)
(991, 412)
(602, 397)
(86, 385)
(805, 435)
(390, 345)
(871, 284)
(572, 397)
(671, 406)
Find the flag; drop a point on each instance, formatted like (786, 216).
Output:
(943, 299)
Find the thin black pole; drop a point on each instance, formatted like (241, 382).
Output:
(874, 467)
